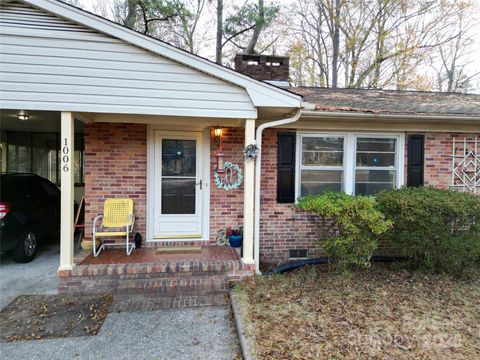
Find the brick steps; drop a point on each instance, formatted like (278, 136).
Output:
(168, 287)
(164, 269)
(159, 285)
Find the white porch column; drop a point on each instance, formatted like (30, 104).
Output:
(248, 196)
(67, 187)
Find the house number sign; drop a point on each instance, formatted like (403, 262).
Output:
(65, 155)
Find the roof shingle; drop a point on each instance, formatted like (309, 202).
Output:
(390, 101)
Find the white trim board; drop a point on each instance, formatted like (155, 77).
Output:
(151, 185)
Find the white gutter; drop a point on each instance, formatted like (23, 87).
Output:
(258, 169)
(353, 115)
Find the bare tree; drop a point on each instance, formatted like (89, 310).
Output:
(367, 41)
(449, 61)
(183, 29)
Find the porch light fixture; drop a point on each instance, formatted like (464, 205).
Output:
(218, 132)
(22, 115)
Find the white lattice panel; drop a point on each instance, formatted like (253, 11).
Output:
(466, 165)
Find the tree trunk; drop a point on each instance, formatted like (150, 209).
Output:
(131, 18)
(336, 44)
(218, 50)
(250, 49)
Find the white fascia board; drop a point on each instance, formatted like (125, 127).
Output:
(261, 94)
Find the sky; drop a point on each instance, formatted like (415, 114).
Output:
(473, 57)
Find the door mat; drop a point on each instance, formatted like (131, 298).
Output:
(178, 249)
(34, 317)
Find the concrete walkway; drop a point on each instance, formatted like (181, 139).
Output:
(191, 333)
(36, 277)
(188, 333)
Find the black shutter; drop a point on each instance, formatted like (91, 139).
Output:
(286, 168)
(415, 162)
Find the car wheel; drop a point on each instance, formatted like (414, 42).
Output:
(26, 249)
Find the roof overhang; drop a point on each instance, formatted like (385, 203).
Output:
(261, 94)
(362, 116)
(363, 121)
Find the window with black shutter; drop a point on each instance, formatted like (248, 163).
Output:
(286, 167)
(415, 162)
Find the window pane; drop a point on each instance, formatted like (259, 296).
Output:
(375, 152)
(376, 144)
(77, 174)
(178, 196)
(78, 159)
(317, 181)
(178, 157)
(44, 146)
(375, 159)
(370, 182)
(18, 152)
(322, 151)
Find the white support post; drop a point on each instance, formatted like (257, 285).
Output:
(67, 188)
(248, 196)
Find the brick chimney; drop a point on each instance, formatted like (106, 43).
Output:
(269, 68)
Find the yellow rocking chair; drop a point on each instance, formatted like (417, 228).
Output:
(117, 220)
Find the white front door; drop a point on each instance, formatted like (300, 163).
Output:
(178, 185)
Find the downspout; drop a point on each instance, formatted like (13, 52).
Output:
(258, 169)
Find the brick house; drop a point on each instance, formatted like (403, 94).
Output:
(159, 123)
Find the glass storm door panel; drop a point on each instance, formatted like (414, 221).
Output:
(178, 185)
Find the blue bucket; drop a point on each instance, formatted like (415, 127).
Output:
(235, 240)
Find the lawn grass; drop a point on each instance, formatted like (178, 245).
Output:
(381, 312)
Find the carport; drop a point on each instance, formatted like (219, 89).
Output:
(31, 143)
(33, 146)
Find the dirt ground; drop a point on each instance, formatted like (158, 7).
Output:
(31, 317)
(380, 313)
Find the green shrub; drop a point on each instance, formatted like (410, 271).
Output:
(438, 229)
(355, 225)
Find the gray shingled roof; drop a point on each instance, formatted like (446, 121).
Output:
(390, 101)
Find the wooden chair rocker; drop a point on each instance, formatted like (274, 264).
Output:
(117, 220)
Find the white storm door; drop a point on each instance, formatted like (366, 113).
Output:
(178, 185)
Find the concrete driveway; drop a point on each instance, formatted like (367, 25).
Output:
(36, 277)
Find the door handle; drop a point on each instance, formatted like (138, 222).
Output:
(199, 184)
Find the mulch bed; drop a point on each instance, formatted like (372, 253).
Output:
(380, 313)
(33, 317)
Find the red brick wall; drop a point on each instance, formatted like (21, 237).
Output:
(115, 167)
(438, 156)
(226, 207)
(282, 227)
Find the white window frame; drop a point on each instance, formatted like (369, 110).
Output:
(301, 167)
(349, 156)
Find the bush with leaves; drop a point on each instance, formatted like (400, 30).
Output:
(355, 226)
(438, 229)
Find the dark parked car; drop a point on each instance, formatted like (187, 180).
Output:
(29, 214)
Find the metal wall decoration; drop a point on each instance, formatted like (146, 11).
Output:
(466, 165)
(230, 178)
(251, 151)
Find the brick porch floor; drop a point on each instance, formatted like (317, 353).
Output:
(149, 255)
